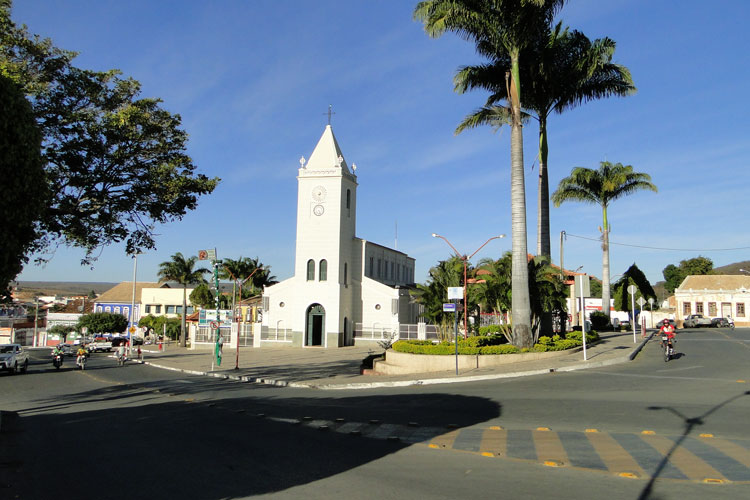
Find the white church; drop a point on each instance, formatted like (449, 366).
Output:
(343, 286)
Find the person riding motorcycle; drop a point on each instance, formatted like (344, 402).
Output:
(57, 351)
(667, 329)
(81, 354)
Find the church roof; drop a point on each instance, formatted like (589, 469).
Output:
(327, 154)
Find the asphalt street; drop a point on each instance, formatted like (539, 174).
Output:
(646, 429)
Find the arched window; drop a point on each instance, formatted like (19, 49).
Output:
(346, 272)
(348, 198)
(310, 270)
(323, 274)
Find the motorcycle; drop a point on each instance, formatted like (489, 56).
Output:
(668, 348)
(57, 360)
(81, 362)
(121, 358)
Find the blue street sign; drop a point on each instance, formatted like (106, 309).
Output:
(450, 307)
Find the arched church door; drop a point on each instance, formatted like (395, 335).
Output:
(316, 320)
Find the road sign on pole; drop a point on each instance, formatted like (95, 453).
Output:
(631, 290)
(449, 307)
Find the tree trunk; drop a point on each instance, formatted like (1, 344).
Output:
(183, 323)
(605, 263)
(520, 302)
(542, 234)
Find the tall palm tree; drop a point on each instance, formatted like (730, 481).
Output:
(182, 271)
(602, 187)
(497, 27)
(568, 69)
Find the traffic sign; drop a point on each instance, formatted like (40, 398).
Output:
(214, 325)
(449, 307)
(131, 329)
(455, 292)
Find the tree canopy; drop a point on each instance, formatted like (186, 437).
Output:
(103, 322)
(116, 162)
(674, 275)
(24, 191)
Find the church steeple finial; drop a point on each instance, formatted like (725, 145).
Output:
(330, 112)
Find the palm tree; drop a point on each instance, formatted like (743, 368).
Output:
(568, 69)
(447, 273)
(602, 187)
(501, 27)
(181, 270)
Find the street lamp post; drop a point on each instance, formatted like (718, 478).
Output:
(239, 285)
(131, 326)
(465, 259)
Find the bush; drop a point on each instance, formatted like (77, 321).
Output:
(599, 320)
(574, 339)
(481, 341)
(448, 348)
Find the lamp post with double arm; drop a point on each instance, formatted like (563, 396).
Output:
(239, 326)
(465, 259)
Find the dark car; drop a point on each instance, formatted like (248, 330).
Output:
(117, 341)
(66, 349)
(720, 323)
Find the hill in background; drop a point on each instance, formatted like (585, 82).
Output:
(30, 289)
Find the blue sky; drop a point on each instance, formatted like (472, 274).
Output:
(252, 81)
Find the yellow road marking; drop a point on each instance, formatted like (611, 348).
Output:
(494, 440)
(445, 440)
(690, 465)
(549, 448)
(648, 433)
(732, 450)
(614, 456)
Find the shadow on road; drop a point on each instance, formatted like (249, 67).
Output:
(690, 423)
(130, 441)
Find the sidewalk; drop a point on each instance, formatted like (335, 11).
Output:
(318, 368)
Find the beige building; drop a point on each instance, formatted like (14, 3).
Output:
(714, 296)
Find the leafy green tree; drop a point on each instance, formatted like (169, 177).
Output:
(182, 271)
(161, 325)
(203, 297)
(115, 162)
(62, 330)
(633, 276)
(103, 322)
(502, 27)
(25, 191)
(563, 70)
(432, 295)
(674, 275)
(92, 295)
(601, 187)
(546, 290)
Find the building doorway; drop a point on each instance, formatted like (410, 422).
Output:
(316, 320)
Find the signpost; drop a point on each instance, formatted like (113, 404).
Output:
(631, 290)
(641, 302)
(455, 293)
(210, 254)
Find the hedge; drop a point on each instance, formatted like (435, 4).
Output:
(492, 345)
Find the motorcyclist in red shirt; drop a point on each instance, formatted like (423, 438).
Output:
(667, 329)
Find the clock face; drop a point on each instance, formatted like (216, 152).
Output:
(318, 210)
(319, 193)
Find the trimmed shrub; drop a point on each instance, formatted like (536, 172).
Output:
(599, 320)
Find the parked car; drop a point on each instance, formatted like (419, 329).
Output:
(13, 357)
(696, 321)
(720, 323)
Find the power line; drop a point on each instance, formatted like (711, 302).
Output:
(661, 248)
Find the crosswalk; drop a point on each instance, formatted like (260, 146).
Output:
(703, 457)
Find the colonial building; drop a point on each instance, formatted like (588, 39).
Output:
(714, 296)
(343, 286)
(157, 299)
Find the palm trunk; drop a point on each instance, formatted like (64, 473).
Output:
(520, 301)
(183, 323)
(542, 228)
(605, 263)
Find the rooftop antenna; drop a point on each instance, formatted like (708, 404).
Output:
(396, 242)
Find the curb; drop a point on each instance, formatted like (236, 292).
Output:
(407, 383)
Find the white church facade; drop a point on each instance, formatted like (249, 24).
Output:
(342, 285)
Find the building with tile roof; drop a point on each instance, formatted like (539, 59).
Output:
(714, 296)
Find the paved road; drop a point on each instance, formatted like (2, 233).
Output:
(195, 437)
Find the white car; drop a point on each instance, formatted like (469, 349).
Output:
(13, 357)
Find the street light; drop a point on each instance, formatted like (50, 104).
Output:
(239, 284)
(465, 259)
